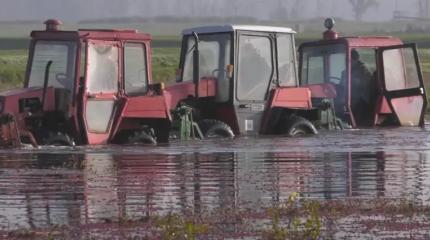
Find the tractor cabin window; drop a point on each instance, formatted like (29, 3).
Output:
(255, 67)
(286, 60)
(323, 64)
(214, 57)
(400, 69)
(103, 70)
(135, 72)
(62, 71)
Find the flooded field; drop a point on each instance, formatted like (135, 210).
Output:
(228, 187)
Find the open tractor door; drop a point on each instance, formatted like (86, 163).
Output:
(403, 87)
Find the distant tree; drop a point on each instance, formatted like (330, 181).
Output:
(360, 7)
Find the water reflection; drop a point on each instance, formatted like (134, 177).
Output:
(41, 189)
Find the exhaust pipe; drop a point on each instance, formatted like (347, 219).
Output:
(45, 82)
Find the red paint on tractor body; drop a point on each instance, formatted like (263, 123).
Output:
(324, 90)
(294, 98)
(148, 106)
(180, 91)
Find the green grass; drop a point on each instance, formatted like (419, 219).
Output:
(165, 61)
(12, 68)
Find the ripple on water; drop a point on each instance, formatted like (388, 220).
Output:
(41, 187)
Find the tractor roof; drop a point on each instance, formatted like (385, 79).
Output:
(356, 42)
(97, 34)
(232, 28)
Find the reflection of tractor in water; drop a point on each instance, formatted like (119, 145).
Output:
(243, 80)
(85, 87)
(377, 80)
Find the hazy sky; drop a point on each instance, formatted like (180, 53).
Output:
(75, 10)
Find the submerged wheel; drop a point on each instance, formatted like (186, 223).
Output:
(212, 128)
(141, 137)
(59, 139)
(299, 126)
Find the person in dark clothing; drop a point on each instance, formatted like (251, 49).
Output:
(361, 90)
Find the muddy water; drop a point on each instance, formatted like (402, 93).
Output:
(81, 186)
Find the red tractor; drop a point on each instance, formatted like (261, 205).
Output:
(243, 80)
(377, 79)
(90, 86)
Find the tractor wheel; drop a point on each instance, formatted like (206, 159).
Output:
(212, 128)
(141, 137)
(299, 126)
(59, 139)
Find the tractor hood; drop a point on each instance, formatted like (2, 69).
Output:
(17, 101)
(19, 91)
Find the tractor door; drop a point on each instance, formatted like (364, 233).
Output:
(101, 90)
(256, 73)
(403, 85)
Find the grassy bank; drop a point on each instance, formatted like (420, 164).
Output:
(165, 61)
(164, 64)
(12, 68)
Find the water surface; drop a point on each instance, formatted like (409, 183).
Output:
(90, 185)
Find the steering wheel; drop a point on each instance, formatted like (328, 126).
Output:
(218, 70)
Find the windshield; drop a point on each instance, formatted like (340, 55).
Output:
(62, 71)
(322, 64)
(215, 52)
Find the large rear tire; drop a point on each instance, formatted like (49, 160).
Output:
(212, 128)
(299, 126)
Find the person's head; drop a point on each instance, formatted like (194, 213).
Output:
(354, 55)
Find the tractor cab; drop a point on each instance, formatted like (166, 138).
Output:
(377, 80)
(89, 86)
(236, 74)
